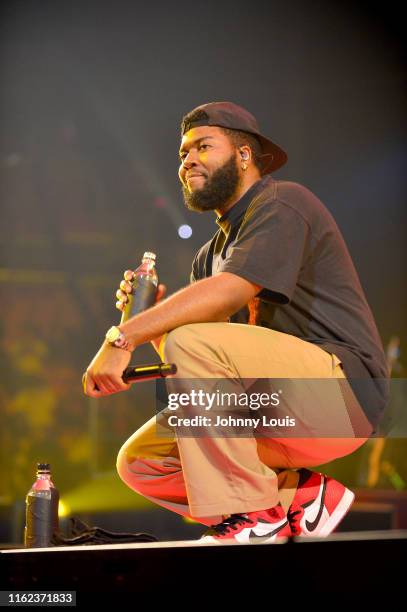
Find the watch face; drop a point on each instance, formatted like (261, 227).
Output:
(113, 334)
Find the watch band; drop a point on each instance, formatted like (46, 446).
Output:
(122, 343)
(115, 337)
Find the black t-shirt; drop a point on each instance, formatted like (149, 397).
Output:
(280, 236)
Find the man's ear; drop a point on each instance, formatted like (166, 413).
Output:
(244, 155)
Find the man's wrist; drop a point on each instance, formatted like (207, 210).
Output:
(115, 337)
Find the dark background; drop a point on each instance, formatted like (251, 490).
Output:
(91, 98)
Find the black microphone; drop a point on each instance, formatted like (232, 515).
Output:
(156, 370)
(139, 373)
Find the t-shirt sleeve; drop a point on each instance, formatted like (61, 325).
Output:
(194, 276)
(199, 262)
(270, 250)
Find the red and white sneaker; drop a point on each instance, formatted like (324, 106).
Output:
(254, 527)
(319, 505)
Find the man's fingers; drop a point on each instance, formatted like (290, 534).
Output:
(128, 275)
(123, 297)
(117, 384)
(105, 385)
(89, 386)
(126, 287)
(109, 385)
(97, 387)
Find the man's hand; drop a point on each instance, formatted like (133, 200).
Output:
(104, 374)
(122, 294)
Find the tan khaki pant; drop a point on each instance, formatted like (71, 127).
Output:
(207, 477)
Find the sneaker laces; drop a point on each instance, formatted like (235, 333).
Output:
(232, 522)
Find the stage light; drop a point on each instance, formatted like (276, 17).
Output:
(63, 509)
(102, 493)
(160, 202)
(185, 231)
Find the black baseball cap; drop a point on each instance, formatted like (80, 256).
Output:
(234, 117)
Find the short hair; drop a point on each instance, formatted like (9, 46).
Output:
(237, 137)
(240, 138)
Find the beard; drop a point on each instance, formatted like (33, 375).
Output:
(218, 189)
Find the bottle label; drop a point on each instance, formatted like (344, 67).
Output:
(41, 519)
(141, 298)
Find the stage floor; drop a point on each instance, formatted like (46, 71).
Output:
(362, 563)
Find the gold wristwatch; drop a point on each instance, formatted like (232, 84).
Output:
(116, 338)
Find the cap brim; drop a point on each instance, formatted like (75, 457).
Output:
(273, 156)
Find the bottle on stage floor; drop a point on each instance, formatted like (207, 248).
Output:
(41, 509)
(144, 290)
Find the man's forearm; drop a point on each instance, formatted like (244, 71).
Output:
(212, 299)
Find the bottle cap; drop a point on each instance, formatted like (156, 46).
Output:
(43, 467)
(149, 255)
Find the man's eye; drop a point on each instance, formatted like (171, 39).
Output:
(202, 146)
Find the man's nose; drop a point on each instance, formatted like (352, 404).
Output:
(189, 160)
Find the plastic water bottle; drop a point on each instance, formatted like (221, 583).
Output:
(145, 283)
(41, 509)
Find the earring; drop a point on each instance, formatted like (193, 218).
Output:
(244, 166)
